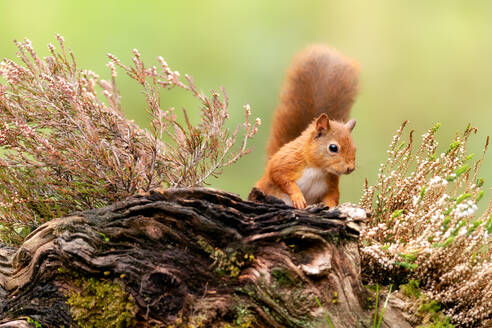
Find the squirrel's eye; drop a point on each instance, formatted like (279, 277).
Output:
(333, 148)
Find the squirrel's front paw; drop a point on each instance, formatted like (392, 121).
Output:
(298, 201)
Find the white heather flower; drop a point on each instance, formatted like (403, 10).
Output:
(247, 109)
(443, 199)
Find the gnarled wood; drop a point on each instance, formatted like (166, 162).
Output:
(200, 255)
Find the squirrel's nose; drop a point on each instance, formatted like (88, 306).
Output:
(349, 169)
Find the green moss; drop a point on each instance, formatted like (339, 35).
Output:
(242, 325)
(243, 318)
(187, 322)
(226, 262)
(429, 306)
(438, 323)
(283, 277)
(432, 315)
(428, 311)
(34, 323)
(411, 289)
(101, 303)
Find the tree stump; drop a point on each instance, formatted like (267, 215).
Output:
(192, 257)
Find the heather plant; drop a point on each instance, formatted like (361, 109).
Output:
(424, 226)
(66, 146)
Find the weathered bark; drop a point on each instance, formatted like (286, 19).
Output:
(197, 256)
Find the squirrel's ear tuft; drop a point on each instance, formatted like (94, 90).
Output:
(322, 123)
(351, 124)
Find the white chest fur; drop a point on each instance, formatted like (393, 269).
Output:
(313, 185)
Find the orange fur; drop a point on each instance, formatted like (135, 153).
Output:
(319, 80)
(320, 85)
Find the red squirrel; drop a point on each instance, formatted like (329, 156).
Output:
(310, 144)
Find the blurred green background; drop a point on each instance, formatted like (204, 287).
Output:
(422, 61)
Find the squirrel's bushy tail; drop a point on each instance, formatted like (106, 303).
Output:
(319, 80)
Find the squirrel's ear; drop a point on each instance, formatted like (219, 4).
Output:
(351, 124)
(322, 123)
